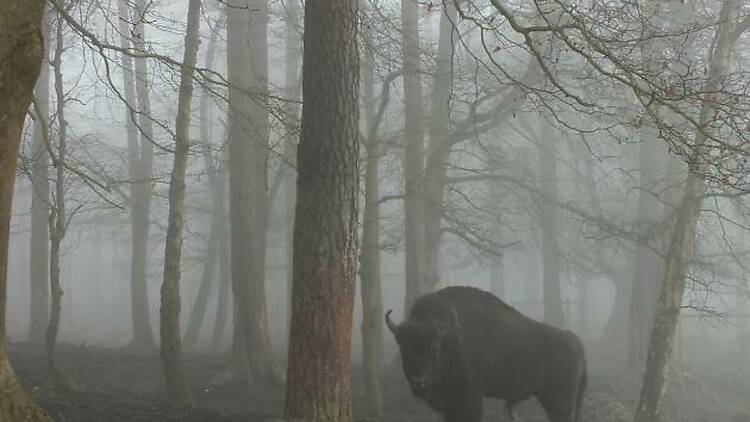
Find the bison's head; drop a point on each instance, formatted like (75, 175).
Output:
(422, 346)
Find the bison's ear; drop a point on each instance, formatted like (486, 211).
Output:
(392, 326)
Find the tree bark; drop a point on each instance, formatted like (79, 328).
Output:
(198, 311)
(413, 160)
(248, 145)
(39, 254)
(178, 386)
(438, 151)
(681, 247)
(225, 274)
(141, 190)
(648, 265)
(549, 221)
(372, 301)
(58, 221)
(22, 52)
(291, 114)
(325, 227)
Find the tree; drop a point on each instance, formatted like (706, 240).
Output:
(553, 306)
(248, 155)
(438, 152)
(682, 240)
(141, 190)
(178, 386)
(21, 52)
(371, 291)
(325, 225)
(292, 84)
(59, 220)
(413, 160)
(198, 310)
(39, 262)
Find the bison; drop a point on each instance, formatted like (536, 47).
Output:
(461, 344)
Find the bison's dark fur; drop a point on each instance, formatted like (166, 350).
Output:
(461, 344)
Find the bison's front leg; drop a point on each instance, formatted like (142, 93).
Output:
(465, 408)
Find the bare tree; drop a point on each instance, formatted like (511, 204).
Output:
(413, 160)
(178, 385)
(39, 262)
(553, 306)
(292, 83)
(372, 301)
(325, 226)
(59, 220)
(141, 190)
(248, 153)
(198, 310)
(22, 52)
(683, 233)
(438, 152)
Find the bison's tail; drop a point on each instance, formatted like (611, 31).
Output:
(582, 385)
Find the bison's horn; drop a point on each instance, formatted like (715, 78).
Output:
(391, 325)
(456, 321)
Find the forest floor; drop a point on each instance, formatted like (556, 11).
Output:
(120, 386)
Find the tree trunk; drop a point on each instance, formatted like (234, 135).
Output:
(325, 227)
(648, 265)
(291, 114)
(248, 146)
(225, 274)
(497, 264)
(438, 151)
(742, 310)
(552, 294)
(141, 190)
(58, 221)
(617, 323)
(683, 233)
(178, 386)
(39, 256)
(22, 49)
(198, 311)
(413, 161)
(372, 302)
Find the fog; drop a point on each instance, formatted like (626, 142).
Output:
(584, 162)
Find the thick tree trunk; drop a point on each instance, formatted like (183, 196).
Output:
(551, 289)
(413, 161)
(682, 242)
(372, 301)
(141, 191)
(178, 386)
(198, 311)
(325, 227)
(248, 145)
(22, 51)
(438, 152)
(39, 254)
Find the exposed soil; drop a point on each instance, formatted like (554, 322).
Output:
(121, 386)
